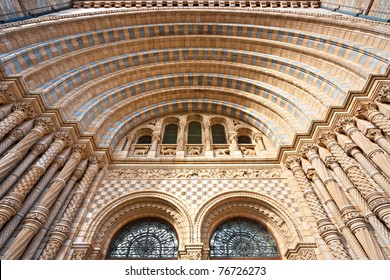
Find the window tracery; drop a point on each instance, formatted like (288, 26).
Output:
(148, 239)
(242, 239)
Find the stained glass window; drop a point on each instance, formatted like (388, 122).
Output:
(244, 140)
(242, 239)
(146, 139)
(145, 240)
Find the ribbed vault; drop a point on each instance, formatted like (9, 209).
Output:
(108, 73)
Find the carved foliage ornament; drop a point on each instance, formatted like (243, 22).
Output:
(193, 173)
(384, 94)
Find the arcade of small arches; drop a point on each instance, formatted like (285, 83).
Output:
(193, 135)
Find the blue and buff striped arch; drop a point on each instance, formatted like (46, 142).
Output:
(277, 72)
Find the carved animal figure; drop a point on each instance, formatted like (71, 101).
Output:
(223, 152)
(141, 151)
(168, 151)
(248, 152)
(194, 151)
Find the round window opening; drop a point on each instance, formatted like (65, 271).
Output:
(242, 239)
(145, 240)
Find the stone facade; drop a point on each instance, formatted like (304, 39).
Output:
(195, 114)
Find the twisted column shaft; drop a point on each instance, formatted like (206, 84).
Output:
(379, 204)
(327, 229)
(349, 236)
(38, 216)
(21, 111)
(62, 229)
(12, 224)
(353, 150)
(36, 241)
(16, 135)
(369, 111)
(351, 216)
(42, 126)
(11, 203)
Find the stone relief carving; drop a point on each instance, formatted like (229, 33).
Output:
(192, 173)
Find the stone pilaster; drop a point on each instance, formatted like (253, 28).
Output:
(379, 204)
(11, 203)
(42, 126)
(258, 137)
(21, 111)
(38, 216)
(369, 111)
(326, 228)
(62, 229)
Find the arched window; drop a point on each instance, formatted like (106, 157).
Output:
(242, 239)
(145, 240)
(170, 134)
(146, 139)
(194, 133)
(244, 139)
(219, 135)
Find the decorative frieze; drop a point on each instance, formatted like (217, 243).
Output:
(216, 173)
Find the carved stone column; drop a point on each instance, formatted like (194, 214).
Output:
(11, 203)
(38, 216)
(369, 111)
(42, 126)
(207, 138)
(349, 213)
(36, 241)
(327, 229)
(153, 147)
(353, 150)
(374, 134)
(130, 140)
(5, 110)
(62, 229)
(181, 137)
(258, 137)
(331, 204)
(10, 227)
(233, 147)
(347, 126)
(15, 135)
(383, 101)
(331, 163)
(21, 111)
(379, 204)
(39, 148)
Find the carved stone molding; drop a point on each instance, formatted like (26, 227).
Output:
(193, 173)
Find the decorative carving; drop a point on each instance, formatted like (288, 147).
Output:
(194, 150)
(78, 255)
(45, 123)
(191, 256)
(384, 94)
(6, 96)
(25, 107)
(63, 136)
(141, 151)
(247, 152)
(307, 149)
(364, 109)
(343, 123)
(305, 255)
(222, 152)
(167, 151)
(193, 173)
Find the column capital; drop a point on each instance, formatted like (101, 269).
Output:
(292, 162)
(6, 96)
(312, 175)
(384, 94)
(156, 136)
(63, 136)
(374, 134)
(344, 124)
(365, 109)
(258, 136)
(325, 138)
(25, 107)
(308, 149)
(81, 149)
(45, 124)
(98, 160)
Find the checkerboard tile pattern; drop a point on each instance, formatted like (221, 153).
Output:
(192, 192)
